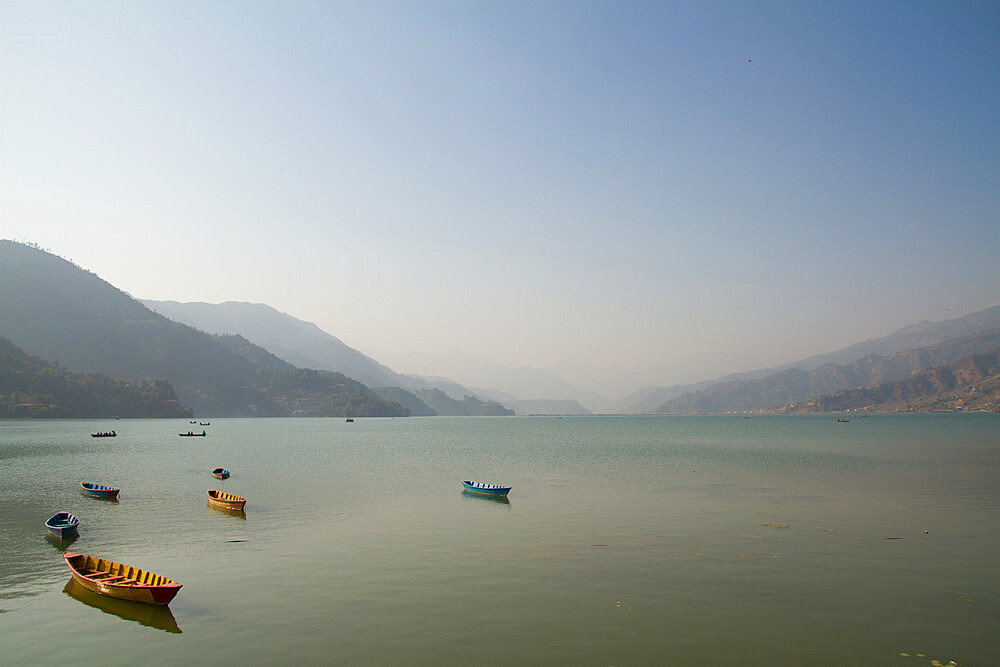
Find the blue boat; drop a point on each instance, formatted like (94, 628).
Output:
(485, 489)
(62, 524)
(220, 473)
(99, 490)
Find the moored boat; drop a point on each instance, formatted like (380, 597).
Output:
(125, 582)
(99, 490)
(104, 434)
(485, 489)
(189, 434)
(62, 524)
(220, 473)
(226, 500)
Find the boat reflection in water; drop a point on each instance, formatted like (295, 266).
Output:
(151, 615)
(61, 543)
(239, 514)
(499, 500)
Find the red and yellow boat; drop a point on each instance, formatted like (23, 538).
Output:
(225, 500)
(124, 582)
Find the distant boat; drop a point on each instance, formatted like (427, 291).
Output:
(104, 434)
(99, 490)
(62, 524)
(204, 423)
(843, 421)
(225, 500)
(194, 422)
(190, 434)
(349, 419)
(124, 582)
(220, 473)
(485, 489)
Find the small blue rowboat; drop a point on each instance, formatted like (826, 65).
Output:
(485, 489)
(99, 490)
(220, 473)
(62, 524)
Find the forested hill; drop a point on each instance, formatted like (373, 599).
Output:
(33, 387)
(470, 406)
(53, 309)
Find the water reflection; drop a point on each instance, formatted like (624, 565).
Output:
(240, 514)
(101, 499)
(151, 615)
(499, 500)
(61, 543)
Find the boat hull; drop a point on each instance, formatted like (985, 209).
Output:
(62, 525)
(99, 490)
(226, 500)
(124, 582)
(220, 473)
(485, 489)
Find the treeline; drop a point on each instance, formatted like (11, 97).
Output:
(34, 387)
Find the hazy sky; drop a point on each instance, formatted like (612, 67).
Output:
(682, 189)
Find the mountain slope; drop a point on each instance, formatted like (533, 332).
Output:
(970, 384)
(796, 385)
(907, 338)
(54, 309)
(300, 343)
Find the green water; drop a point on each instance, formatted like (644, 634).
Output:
(625, 541)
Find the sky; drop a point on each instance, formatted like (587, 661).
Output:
(630, 193)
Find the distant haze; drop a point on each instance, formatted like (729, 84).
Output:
(619, 194)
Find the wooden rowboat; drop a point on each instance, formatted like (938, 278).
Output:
(62, 524)
(225, 500)
(220, 473)
(99, 490)
(124, 582)
(485, 489)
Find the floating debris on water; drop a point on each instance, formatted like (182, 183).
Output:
(775, 525)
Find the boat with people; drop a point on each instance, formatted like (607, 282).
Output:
(220, 473)
(204, 423)
(125, 582)
(225, 500)
(62, 524)
(190, 434)
(104, 434)
(99, 490)
(485, 489)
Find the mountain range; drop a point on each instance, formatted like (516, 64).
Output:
(244, 358)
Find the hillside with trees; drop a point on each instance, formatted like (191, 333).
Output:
(34, 387)
(470, 406)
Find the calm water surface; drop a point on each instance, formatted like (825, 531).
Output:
(625, 541)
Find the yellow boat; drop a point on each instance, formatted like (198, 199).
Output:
(225, 500)
(124, 582)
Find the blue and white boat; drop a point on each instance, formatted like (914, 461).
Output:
(99, 490)
(484, 489)
(62, 524)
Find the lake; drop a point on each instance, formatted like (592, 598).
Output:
(624, 541)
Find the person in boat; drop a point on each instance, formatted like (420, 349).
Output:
(203, 431)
